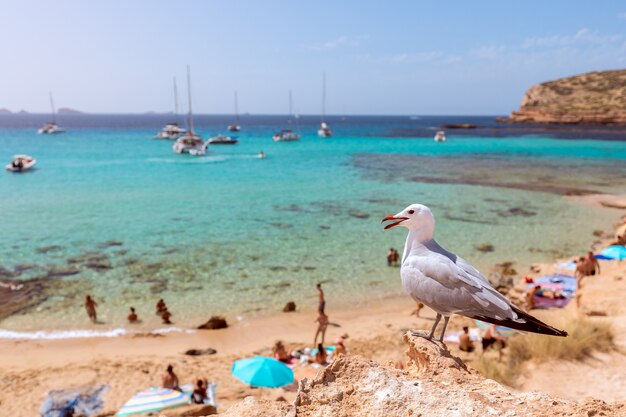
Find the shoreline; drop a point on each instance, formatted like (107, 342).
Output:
(129, 363)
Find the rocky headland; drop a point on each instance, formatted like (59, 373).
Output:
(594, 98)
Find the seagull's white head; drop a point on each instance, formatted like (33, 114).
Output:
(414, 217)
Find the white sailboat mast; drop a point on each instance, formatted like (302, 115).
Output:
(189, 97)
(54, 119)
(323, 97)
(175, 101)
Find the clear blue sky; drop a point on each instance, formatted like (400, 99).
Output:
(400, 57)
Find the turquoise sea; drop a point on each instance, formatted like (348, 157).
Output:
(111, 212)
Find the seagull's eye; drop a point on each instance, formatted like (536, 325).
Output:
(411, 211)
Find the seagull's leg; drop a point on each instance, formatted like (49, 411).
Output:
(432, 331)
(445, 324)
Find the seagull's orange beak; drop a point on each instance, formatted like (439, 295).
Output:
(390, 218)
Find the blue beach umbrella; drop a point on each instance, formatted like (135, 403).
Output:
(612, 252)
(261, 371)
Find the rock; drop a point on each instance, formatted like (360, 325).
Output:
(19, 296)
(46, 249)
(502, 276)
(434, 383)
(200, 352)
(98, 266)
(252, 407)
(289, 307)
(594, 98)
(62, 272)
(191, 410)
(458, 126)
(215, 322)
(485, 247)
(359, 214)
(110, 243)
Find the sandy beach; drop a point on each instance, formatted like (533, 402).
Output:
(131, 363)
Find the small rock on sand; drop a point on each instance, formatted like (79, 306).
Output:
(289, 307)
(215, 322)
(199, 352)
(485, 247)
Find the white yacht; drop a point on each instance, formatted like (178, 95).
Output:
(440, 136)
(172, 131)
(287, 135)
(324, 130)
(191, 143)
(21, 163)
(222, 140)
(52, 127)
(235, 127)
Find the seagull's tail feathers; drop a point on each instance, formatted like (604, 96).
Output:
(525, 323)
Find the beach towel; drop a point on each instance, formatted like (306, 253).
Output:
(83, 400)
(569, 265)
(560, 283)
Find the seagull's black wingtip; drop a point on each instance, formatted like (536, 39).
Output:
(527, 323)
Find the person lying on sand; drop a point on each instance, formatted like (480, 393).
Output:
(90, 306)
(322, 325)
(165, 315)
(465, 343)
(199, 394)
(132, 317)
(170, 379)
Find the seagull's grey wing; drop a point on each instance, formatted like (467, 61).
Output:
(441, 284)
(433, 246)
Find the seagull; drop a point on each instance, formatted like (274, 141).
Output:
(448, 284)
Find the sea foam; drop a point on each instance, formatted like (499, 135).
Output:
(81, 334)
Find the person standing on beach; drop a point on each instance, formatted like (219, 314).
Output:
(322, 324)
(165, 315)
(465, 343)
(390, 256)
(593, 265)
(90, 306)
(396, 257)
(322, 302)
(160, 307)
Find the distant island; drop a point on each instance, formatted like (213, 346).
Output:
(67, 110)
(594, 98)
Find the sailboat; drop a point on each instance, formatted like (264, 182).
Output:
(287, 135)
(51, 128)
(171, 130)
(324, 130)
(235, 126)
(191, 143)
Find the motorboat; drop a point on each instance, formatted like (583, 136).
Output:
(286, 135)
(171, 131)
(190, 144)
(440, 136)
(21, 163)
(222, 140)
(324, 130)
(235, 127)
(52, 127)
